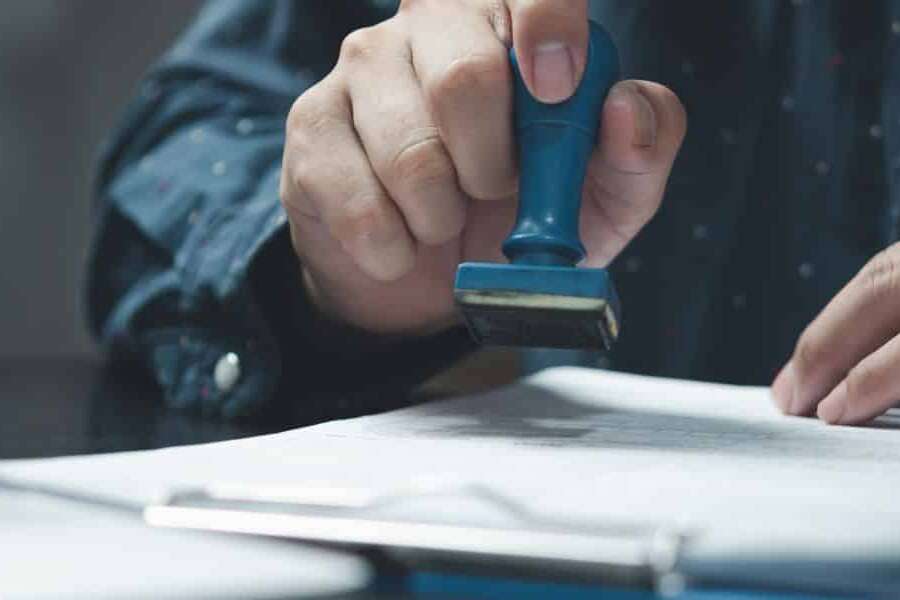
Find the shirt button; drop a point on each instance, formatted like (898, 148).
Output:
(822, 168)
(245, 126)
(739, 302)
(729, 137)
(806, 270)
(219, 168)
(700, 232)
(198, 135)
(788, 103)
(227, 372)
(633, 264)
(895, 27)
(875, 132)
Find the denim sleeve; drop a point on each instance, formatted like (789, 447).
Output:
(191, 271)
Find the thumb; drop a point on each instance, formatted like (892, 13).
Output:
(550, 39)
(644, 124)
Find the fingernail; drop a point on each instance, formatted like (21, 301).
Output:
(644, 118)
(554, 72)
(783, 388)
(645, 121)
(834, 406)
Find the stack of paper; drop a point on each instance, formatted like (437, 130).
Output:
(766, 498)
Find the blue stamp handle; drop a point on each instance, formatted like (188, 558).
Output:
(555, 143)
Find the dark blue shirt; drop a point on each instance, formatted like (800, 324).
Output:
(786, 185)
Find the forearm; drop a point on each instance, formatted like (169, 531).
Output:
(191, 261)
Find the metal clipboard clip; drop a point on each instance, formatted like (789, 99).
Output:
(537, 546)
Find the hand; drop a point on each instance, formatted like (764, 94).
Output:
(400, 164)
(846, 366)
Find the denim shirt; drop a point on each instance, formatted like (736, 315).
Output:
(785, 186)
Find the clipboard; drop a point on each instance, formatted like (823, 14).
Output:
(633, 555)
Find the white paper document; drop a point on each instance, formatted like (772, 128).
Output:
(576, 445)
(53, 549)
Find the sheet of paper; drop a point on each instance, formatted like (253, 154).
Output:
(583, 445)
(51, 548)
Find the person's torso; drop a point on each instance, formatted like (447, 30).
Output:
(779, 194)
(783, 187)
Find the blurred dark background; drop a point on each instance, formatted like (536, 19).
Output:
(67, 69)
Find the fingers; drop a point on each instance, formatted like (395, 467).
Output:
(856, 323)
(643, 127)
(403, 144)
(870, 388)
(466, 81)
(551, 40)
(327, 178)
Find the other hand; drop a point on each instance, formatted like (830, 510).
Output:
(846, 366)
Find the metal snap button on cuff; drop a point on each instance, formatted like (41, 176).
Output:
(227, 372)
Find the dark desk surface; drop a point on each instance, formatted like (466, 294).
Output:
(64, 406)
(54, 407)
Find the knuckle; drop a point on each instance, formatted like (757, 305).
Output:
(285, 183)
(538, 11)
(809, 354)
(862, 383)
(359, 45)
(306, 113)
(293, 190)
(435, 234)
(312, 117)
(474, 75)
(424, 5)
(299, 109)
(880, 278)
(362, 218)
(406, 5)
(423, 162)
(435, 225)
(302, 174)
(285, 190)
